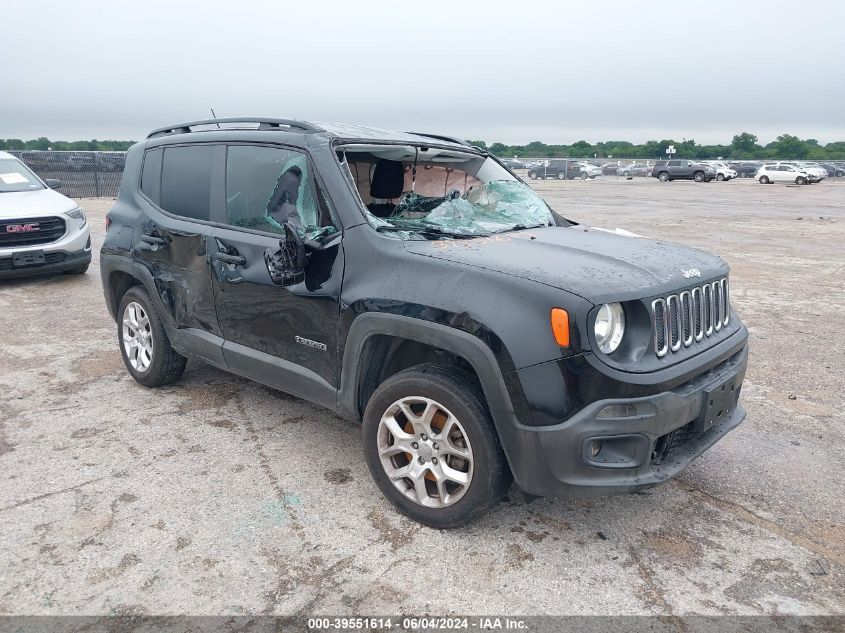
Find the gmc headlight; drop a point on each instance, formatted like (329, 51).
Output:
(77, 214)
(609, 327)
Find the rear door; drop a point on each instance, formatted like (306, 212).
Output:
(674, 167)
(177, 187)
(282, 336)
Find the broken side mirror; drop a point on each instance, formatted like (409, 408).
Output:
(286, 264)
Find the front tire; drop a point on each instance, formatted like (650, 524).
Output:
(532, 175)
(144, 345)
(800, 180)
(764, 180)
(561, 175)
(584, 175)
(431, 447)
(698, 176)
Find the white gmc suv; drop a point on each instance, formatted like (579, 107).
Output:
(41, 231)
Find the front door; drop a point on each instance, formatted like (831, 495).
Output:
(282, 336)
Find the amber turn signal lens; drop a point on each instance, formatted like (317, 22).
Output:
(560, 326)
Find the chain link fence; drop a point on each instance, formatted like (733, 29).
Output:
(83, 174)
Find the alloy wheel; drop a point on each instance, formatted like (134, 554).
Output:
(425, 451)
(137, 337)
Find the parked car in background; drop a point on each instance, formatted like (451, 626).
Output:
(588, 170)
(682, 169)
(781, 172)
(723, 171)
(609, 169)
(634, 169)
(81, 162)
(745, 168)
(815, 173)
(111, 161)
(561, 168)
(41, 231)
(833, 171)
(35, 160)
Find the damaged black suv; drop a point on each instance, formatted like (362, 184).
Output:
(413, 283)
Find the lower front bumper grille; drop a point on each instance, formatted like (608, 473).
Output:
(677, 439)
(7, 263)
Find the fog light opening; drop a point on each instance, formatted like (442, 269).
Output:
(595, 448)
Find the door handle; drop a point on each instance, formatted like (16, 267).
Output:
(152, 240)
(237, 260)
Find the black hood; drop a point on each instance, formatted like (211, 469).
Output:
(595, 264)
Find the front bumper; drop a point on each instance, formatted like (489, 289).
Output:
(665, 432)
(54, 262)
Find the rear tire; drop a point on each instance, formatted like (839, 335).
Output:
(151, 361)
(800, 180)
(663, 176)
(561, 175)
(532, 175)
(720, 177)
(764, 180)
(458, 421)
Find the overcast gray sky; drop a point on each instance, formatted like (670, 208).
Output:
(497, 71)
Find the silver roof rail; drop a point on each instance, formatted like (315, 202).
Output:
(263, 124)
(440, 137)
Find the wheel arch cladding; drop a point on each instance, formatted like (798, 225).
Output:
(495, 385)
(444, 342)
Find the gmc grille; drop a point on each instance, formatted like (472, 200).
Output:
(683, 319)
(31, 231)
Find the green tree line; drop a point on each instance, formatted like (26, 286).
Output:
(44, 143)
(743, 145)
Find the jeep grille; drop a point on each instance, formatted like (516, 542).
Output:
(680, 320)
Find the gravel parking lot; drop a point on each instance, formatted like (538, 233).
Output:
(220, 496)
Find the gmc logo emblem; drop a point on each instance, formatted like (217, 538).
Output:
(21, 228)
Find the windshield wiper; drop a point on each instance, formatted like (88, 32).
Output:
(431, 231)
(523, 227)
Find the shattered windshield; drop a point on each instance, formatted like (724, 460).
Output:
(431, 193)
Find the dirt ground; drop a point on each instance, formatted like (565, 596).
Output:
(220, 496)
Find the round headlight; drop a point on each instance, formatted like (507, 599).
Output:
(609, 327)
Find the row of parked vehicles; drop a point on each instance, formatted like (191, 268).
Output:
(798, 172)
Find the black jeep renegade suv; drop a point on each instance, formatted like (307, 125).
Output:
(413, 283)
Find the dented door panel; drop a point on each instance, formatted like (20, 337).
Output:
(178, 262)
